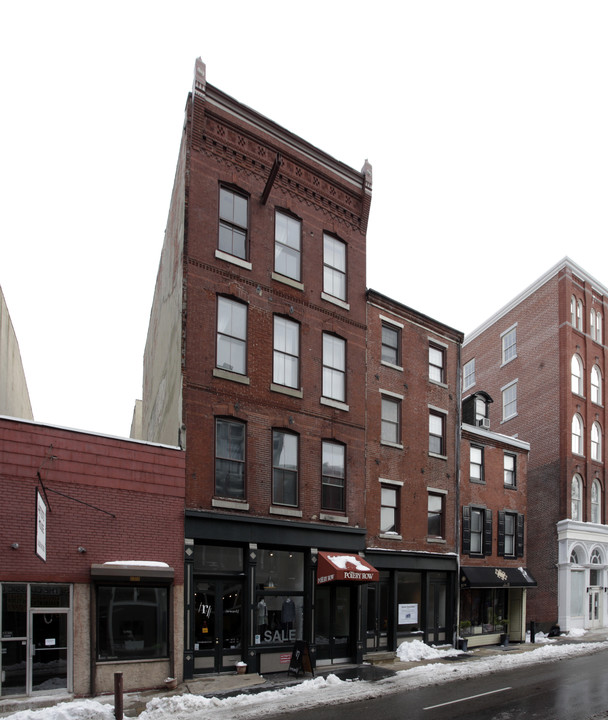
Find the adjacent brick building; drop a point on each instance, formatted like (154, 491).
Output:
(91, 576)
(412, 440)
(494, 578)
(543, 359)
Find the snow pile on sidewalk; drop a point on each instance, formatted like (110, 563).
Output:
(416, 650)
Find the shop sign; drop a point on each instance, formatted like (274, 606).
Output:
(40, 527)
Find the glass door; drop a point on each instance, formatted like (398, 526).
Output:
(377, 615)
(49, 650)
(218, 628)
(437, 611)
(333, 623)
(594, 607)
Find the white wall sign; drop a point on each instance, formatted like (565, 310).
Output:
(408, 614)
(40, 527)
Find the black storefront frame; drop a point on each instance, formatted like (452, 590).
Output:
(252, 535)
(426, 565)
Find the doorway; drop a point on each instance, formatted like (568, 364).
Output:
(437, 609)
(378, 614)
(218, 626)
(49, 650)
(333, 623)
(594, 609)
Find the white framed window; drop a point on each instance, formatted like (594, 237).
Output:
(437, 433)
(509, 345)
(596, 502)
(510, 470)
(334, 367)
(231, 335)
(577, 434)
(573, 311)
(286, 352)
(579, 315)
(596, 442)
(576, 374)
(333, 476)
(468, 374)
(436, 363)
(233, 223)
(596, 385)
(509, 400)
(435, 514)
(476, 464)
(334, 267)
(389, 508)
(287, 241)
(477, 522)
(391, 344)
(284, 468)
(391, 420)
(598, 327)
(592, 323)
(576, 493)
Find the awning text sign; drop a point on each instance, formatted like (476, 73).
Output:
(335, 566)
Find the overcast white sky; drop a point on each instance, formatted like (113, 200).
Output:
(486, 124)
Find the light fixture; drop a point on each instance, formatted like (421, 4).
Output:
(15, 546)
(81, 549)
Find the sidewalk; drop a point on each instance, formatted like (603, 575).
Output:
(233, 684)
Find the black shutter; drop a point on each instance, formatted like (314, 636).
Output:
(501, 533)
(520, 535)
(487, 532)
(466, 530)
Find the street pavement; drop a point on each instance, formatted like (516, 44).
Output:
(227, 684)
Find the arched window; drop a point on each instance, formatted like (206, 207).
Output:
(579, 315)
(596, 503)
(576, 491)
(598, 327)
(573, 311)
(577, 435)
(574, 558)
(596, 385)
(576, 367)
(596, 557)
(596, 442)
(592, 324)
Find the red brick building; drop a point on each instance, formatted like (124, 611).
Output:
(256, 354)
(412, 439)
(494, 579)
(543, 359)
(91, 574)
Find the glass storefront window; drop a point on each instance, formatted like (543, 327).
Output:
(409, 594)
(14, 611)
(577, 593)
(212, 559)
(279, 579)
(50, 596)
(483, 611)
(132, 622)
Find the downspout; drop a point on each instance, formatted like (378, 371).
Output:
(457, 509)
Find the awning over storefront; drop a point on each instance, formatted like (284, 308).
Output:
(334, 566)
(493, 577)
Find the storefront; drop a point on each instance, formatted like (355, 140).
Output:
(414, 598)
(255, 590)
(493, 604)
(36, 616)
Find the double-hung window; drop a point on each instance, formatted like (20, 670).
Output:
(233, 223)
(596, 442)
(509, 345)
(476, 464)
(509, 401)
(577, 435)
(334, 367)
(435, 515)
(287, 242)
(596, 386)
(510, 534)
(437, 433)
(229, 458)
(476, 531)
(436, 363)
(389, 508)
(468, 374)
(576, 374)
(391, 344)
(510, 470)
(576, 493)
(334, 267)
(333, 475)
(231, 335)
(284, 468)
(391, 420)
(286, 355)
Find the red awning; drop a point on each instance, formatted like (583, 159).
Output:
(335, 566)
